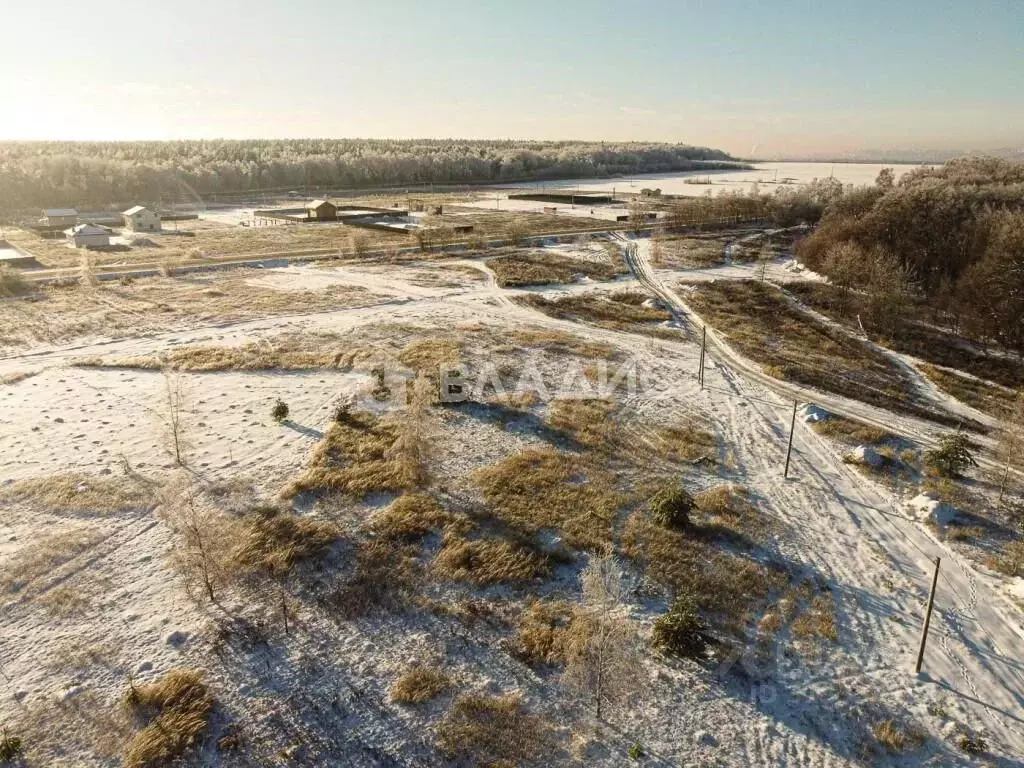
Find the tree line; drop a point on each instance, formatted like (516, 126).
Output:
(950, 236)
(95, 174)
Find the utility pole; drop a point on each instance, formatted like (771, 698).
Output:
(789, 450)
(928, 616)
(703, 348)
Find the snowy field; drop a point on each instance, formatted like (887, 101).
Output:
(767, 175)
(319, 695)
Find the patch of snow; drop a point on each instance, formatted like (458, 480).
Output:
(866, 455)
(1016, 589)
(927, 507)
(794, 267)
(812, 414)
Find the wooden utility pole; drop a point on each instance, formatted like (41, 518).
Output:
(927, 616)
(703, 349)
(789, 450)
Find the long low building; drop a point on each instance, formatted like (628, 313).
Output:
(59, 217)
(323, 210)
(89, 236)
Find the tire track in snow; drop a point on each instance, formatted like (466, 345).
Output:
(897, 541)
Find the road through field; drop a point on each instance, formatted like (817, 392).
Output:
(976, 644)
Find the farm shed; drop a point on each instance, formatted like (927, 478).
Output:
(88, 236)
(60, 217)
(141, 219)
(321, 210)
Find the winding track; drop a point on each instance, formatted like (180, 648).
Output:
(975, 648)
(975, 651)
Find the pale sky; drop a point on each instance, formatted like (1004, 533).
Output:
(765, 79)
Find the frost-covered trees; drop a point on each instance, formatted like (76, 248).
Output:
(952, 236)
(34, 175)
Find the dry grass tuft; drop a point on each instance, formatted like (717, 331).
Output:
(486, 561)
(43, 554)
(590, 422)
(729, 506)
(419, 685)
(546, 268)
(1010, 561)
(725, 585)
(427, 355)
(818, 621)
(516, 401)
(620, 311)
(274, 542)
(543, 488)
(79, 493)
(897, 738)
(385, 577)
(14, 377)
(177, 708)
(689, 252)
(355, 457)
(80, 730)
(852, 432)
(410, 517)
(297, 352)
(790, 344)
(64, 600)
(562, 343)
(684, 443)
(494, 731)
(542, 632)
(12, 283)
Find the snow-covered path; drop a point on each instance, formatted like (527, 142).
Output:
(853, 529)
(841, 528)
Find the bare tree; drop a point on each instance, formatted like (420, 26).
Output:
(657, 247)
(844, 264)
(638, 215)
(174, 420)
(412, 446)
(603, 651)
(1011, 443)
(516, 231)
(889, 289)
(359, 243)
(199, 555)
(87, 268)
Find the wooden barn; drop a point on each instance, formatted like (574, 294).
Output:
(321, 210)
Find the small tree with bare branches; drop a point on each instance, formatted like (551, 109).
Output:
(174, 415)
(657, 247)
(1010, 449)
(199, 555)
(412, 446)
(603, 651)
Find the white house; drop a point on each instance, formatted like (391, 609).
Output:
(60, 217)
(141, 219)
(88, 236)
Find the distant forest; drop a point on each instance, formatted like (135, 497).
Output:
(94, 174)
(951, 237)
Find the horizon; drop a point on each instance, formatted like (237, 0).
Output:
(867, 157)
(775, 83)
